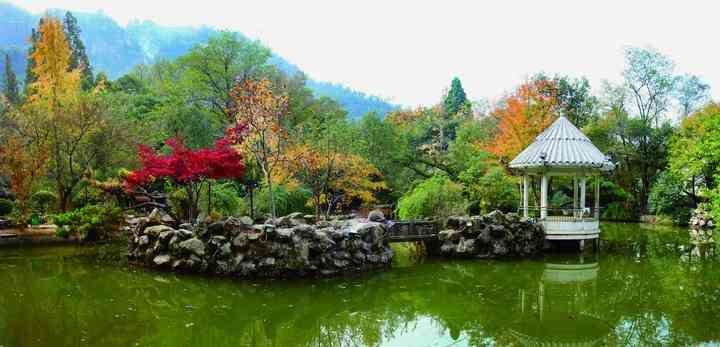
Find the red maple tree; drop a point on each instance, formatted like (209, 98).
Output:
(188, 167)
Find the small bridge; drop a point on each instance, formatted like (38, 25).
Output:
(405, 231)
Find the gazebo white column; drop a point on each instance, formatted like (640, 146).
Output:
(583, 179)
(575, 195)
(526, 185)
(543, 196)
(597, 197)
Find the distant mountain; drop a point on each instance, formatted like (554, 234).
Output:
(115, 49)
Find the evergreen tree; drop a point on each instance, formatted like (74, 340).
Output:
(29, 73)
(456, 98)
(10, 84)
(79, 58)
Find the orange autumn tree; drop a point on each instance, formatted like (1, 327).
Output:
(24, 163)
(259, 113)
(334, 178)
(521, 116)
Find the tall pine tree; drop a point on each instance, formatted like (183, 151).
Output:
(30, 67)
(455, 99)
(10, 83)
(78, 59)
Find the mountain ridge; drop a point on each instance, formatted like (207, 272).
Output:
(115, 49)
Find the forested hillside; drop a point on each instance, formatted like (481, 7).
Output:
(71, 132)
(115, 50)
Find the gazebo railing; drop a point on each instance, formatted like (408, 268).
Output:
(561, 214)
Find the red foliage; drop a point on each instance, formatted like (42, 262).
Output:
(236, 134)
(185, 165)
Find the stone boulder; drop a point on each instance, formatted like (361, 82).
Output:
(376, 216)
(162, 259)
(156, 230)
(194, 246)
(158, 216)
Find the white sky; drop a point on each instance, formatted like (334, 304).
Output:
(408, 51)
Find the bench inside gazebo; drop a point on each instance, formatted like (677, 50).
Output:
(563, 150)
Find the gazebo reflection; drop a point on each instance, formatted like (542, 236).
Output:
(561, 310)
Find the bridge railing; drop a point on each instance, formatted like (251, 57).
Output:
(412, 230)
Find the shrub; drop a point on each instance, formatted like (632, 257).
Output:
(668, 197)
(618, 211)
(437, 197)
(87, 196)
(63, 232)
(713, 203)
(226, 200)
(91, 223)
(494, 190)
(42, 200)
(179, 202)
(6, 207)
(287, 200)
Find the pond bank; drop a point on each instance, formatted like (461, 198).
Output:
(37, 235)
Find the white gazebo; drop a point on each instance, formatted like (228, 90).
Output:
(563, 150)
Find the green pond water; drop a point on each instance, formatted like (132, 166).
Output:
(643, 288)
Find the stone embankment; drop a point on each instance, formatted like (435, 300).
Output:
(490, 236)
(290, 247)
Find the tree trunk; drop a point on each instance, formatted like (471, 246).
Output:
(63, 200)
(272, 197)
(252, 207)
(192, 196)
(209, 197)
(317, 209)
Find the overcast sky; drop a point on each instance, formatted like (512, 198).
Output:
(408, 51)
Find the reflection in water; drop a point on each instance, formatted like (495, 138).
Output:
(562, 305)
(640, 294)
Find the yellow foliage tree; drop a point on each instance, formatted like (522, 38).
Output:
(259, 113)
(334, 178)
(55, 82)
(60, 116)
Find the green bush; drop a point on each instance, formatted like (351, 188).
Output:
(668, 197)
(713, 204)
(63, 232)
(493, 190)
(618, 211)
(226, 200)
(437, 197)
(42, 200)
(6, 207)
(88, 195)
(91, 223)
(179, 202)
(286, 200)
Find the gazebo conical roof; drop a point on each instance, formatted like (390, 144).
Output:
(562, 145)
